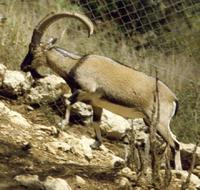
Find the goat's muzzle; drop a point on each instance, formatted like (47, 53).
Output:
(26, 64)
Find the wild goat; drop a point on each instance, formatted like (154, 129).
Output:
(103, 83)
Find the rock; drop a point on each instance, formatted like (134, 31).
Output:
(30, 181)
(80, 181)
(123, 183)
(80, 145)
(186, 155)
(33, 182)
(181, 176)
(52, 130)
(198, 167)
(13, 116)
(2, 73)
(117, 162)
(86, 146)
(16, 82)
(46, 90)
(114, 126)
(196, 171)
(81, 148)
(140, 130)
(51, 149)
(54, 146)
(56, 184)
(83, 111)
(128, 173)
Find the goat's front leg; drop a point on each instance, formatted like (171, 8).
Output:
(69, 101)
(77, 95)
(88, 97)
(65, 121)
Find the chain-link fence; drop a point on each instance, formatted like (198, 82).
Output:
(167, 33)
(161, 24)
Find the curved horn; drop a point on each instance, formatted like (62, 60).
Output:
(52, 17)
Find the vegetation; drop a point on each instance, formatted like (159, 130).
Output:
(178, 68)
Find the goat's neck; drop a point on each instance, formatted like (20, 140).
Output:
(60, 64)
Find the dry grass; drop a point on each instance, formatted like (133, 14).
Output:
(180, 71)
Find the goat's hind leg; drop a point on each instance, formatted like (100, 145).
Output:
(165, 132)
(97, 113)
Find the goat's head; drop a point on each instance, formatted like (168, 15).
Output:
(36, 47)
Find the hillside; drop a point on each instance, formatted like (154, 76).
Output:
(178, 69)
(36, 154)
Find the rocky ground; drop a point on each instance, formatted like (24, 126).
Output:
(36, 154)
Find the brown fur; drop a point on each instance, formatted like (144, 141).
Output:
(104, 83)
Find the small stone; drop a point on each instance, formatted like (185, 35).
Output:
(84, 111)
(86, 146)
(30, 108)
(2, 73)
(80, 181)
(56, 184)
(196, 172)
(117, 162)
(51, 129)
(59, 146)
(123, 183)
(51, 150)
(26, 146)
(30, 181)
(128, 173)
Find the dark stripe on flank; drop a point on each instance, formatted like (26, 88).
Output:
(77, 65)
(70, 79)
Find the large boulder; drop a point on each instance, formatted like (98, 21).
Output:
(46, 90)
(114, 126)
(50, 183)
(14, 83)
(11, 116)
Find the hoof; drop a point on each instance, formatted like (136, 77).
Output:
(96, 145)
